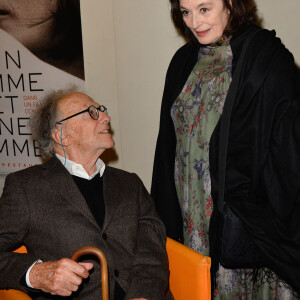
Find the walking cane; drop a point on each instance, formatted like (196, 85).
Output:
(103, 262)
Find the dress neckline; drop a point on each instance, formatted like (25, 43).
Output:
(222, 40)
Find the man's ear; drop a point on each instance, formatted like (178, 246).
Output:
(58, 136)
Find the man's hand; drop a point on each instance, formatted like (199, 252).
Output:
(60, 277)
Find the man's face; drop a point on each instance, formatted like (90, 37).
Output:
(86, 137)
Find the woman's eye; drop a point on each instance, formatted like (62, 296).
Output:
(185, 12)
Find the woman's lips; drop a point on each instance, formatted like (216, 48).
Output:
(202, 33)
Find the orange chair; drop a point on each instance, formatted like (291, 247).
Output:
(22, 249)
(14, 294)
(189, 272)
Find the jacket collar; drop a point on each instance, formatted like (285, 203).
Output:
(61, 183)
(111, 193)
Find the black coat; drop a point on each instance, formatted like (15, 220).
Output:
(263, 160)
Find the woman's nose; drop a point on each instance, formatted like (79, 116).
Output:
(195, 22)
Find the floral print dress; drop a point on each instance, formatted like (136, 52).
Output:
(195, 114)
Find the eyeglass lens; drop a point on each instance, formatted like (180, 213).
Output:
(93, 111)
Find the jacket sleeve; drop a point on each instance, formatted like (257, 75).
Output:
(150, 269)
(14, 225)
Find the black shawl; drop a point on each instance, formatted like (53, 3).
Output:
(263, 160)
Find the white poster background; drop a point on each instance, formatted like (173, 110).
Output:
(24, 80)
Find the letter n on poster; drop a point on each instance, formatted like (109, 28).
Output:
(35, 58)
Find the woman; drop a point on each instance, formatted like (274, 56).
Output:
(262, 170)
(51, 30)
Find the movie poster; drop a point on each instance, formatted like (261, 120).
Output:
(35, 58)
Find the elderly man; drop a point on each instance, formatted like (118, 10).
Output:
(74, 200)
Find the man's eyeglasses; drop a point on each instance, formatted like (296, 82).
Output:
(92, 110)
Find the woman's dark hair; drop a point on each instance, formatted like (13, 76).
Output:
(242, 14)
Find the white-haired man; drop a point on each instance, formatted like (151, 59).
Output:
(74, 200)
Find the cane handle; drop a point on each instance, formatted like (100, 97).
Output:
(103, 262)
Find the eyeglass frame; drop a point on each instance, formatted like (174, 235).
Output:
(101, 108)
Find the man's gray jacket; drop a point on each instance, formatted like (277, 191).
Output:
(42, 208)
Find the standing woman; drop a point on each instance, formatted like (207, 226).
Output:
(262, 185)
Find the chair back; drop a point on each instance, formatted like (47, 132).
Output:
(189, 272)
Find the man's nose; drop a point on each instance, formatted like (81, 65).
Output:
(103, 117)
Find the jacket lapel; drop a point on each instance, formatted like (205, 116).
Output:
(61, 183)
(111, 194)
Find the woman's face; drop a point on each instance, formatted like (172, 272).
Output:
(29, 21)
(206, 19)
